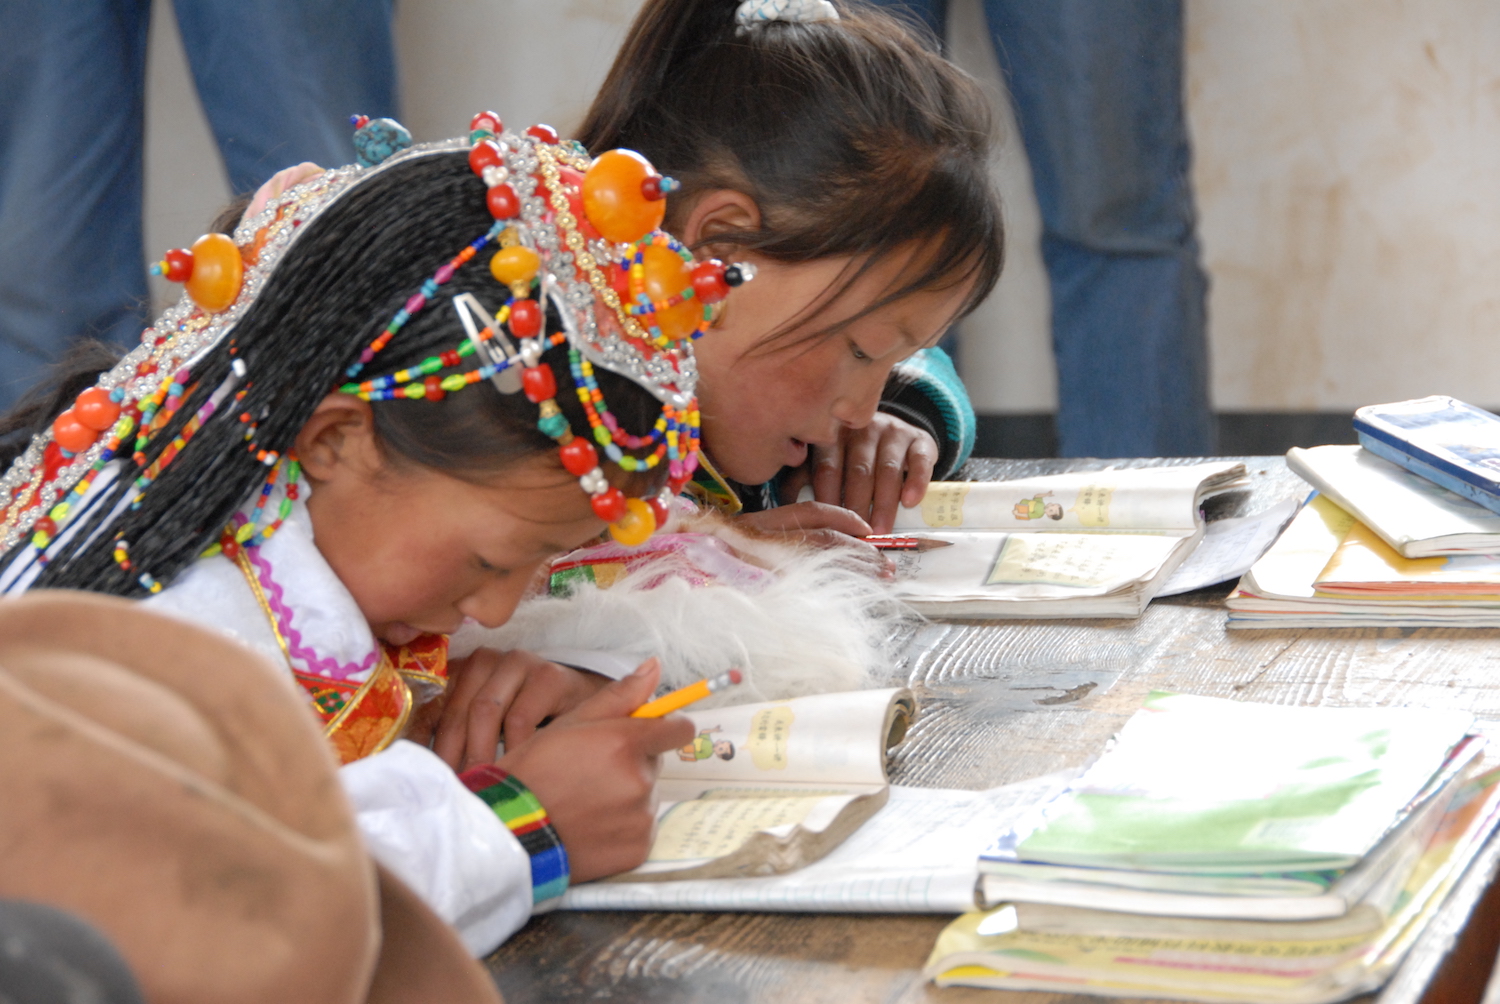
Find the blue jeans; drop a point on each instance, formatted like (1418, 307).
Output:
(1097, 88)
(278, 80)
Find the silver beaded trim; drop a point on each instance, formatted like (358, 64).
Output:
(187, 331)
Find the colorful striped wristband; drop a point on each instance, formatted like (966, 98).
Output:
(524, 816)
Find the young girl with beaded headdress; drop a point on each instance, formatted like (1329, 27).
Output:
(357, 430)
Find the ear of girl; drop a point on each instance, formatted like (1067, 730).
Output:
(848, 162)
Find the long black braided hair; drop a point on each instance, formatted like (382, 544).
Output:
(334, 291)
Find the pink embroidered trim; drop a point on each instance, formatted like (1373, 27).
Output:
(315, 663)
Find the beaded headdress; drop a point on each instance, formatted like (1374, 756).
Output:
(573, 233)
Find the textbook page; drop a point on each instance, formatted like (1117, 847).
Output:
(1038, 575)
(1413, 515)
(767, 788)
(919, 854)
(1085, 544)
(1229, 548)
(1134, 499)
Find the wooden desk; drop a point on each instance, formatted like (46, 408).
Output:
(1007, 700)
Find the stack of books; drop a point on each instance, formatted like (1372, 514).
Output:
(1390, 540)
(1228, 851)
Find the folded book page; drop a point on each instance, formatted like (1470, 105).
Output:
(767, 788)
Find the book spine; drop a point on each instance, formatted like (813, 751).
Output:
(1440, 472)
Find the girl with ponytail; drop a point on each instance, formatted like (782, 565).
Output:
(822, 143)
(380, 407)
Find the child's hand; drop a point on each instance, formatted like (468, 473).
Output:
(594, 770)
(821, 525)
(492, 693)
(873, 469)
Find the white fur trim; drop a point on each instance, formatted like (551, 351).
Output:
(820, 625)
(753, 12)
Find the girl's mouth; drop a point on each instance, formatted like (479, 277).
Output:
(398, 633)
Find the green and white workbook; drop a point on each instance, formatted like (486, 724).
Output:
(1202, 784)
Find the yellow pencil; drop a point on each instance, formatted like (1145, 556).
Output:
(678, 699)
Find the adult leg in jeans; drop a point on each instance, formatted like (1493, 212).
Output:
(1098, 94)
(1097, 89)
(280, 78)
(71, 129)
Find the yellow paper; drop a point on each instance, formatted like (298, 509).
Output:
(1065, 559)
(1364, 564)
(713, 827)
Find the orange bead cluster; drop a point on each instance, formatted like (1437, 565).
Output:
(212, 271)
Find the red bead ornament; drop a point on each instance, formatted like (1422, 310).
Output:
(708, 281)
(609, 505)
(71, 434)
(46, 525)
(503, 202)
(434, 388)
(614, 200)
(179, 262)
(543, 132)
(145, 369)
(658, 509)
(485, 153)
(229, 546)
(95, 410)
(578, 456)
(486, 120)
(52, 461)
(525, 318)
(676, 485)
(539, 383)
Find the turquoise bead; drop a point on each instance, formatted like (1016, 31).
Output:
(553, 426)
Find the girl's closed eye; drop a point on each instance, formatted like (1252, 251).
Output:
(858, 352)
(490, 568)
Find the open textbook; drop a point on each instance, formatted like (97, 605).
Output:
(1087, 544)
(918, 854)
(768, 788)
(1415, 516)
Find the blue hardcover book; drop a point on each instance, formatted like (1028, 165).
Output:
(1444, 440)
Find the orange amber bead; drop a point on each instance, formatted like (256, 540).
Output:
(636, 526)
(515, 264)
(668, 276)
(218, 271)
(614, 199)
(71, 434)
(95, 410)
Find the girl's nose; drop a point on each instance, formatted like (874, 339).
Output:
(493, 603)
(856, 407)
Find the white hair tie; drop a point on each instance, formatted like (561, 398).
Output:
(753, 12)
